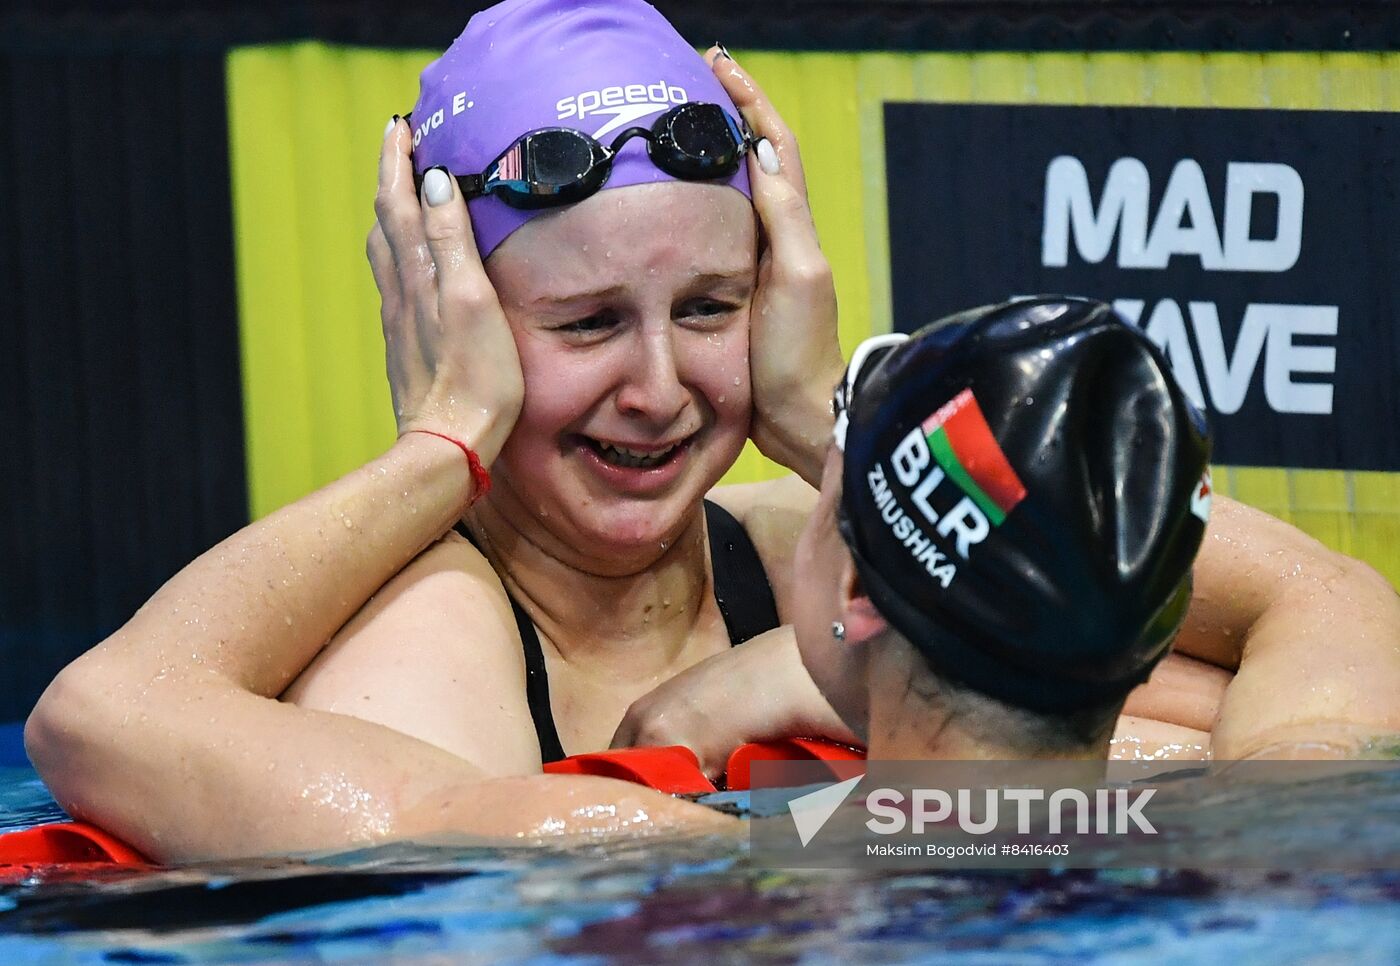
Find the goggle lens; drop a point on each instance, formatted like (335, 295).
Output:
(703, 139)
(558, 158)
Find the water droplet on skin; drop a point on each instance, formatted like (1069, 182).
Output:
(720, 400)
(349, 523)
(288, 619)
(737, 380)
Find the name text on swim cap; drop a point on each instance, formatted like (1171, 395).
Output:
(434, 120)
(907, 532)
(915, 468)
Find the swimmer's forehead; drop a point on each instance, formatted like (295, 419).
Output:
(615, 241)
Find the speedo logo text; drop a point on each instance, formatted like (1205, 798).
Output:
(624, 104)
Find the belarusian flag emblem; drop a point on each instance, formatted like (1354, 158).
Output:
(963, 444)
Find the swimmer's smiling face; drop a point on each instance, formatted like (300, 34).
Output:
(631, 315)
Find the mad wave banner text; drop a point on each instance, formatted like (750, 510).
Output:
(1260, 249)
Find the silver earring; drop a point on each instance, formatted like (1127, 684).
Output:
(838, 631)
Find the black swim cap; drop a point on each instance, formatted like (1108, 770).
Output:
(1026, 487)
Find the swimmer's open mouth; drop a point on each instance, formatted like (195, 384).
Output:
(636, 458)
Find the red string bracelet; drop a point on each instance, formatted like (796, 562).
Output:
(481, 476)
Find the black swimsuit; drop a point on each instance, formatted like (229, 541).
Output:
(742, 592)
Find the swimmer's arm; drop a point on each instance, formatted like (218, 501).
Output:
(185, 764)
(434, 654)
(239, 775)
(167, 732)
(536, 809)
(1315, 636)
(757, 691)
(154, 724)
(1183, 691)
(705, 706)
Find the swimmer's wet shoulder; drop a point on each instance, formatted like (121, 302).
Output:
(462, 688)
(434, 654)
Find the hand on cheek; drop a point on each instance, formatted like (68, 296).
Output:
(795, 355)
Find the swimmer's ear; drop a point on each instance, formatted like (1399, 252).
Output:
(863, 623)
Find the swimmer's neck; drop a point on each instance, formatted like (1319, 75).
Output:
(631, 615)
(915, 741)
(910, 721)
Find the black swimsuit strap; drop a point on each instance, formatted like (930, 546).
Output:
(536, 677)
(742, 592)
(537, 687)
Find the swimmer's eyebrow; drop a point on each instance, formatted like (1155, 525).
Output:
(601, 293)
(742, 277)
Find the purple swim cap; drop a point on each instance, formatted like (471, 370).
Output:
(598, 66)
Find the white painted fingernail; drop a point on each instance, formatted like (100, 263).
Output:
(437, 187)
(767, 156)
(390, 126)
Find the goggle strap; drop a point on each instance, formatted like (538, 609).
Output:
(838, 431)
(472, 185)
(859, 358)
(479, 185)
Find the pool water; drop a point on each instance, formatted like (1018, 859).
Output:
(648, 902)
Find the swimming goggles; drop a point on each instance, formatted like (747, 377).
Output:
(875, 347)
(555, 166)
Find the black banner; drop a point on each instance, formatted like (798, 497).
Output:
(1259, 248)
